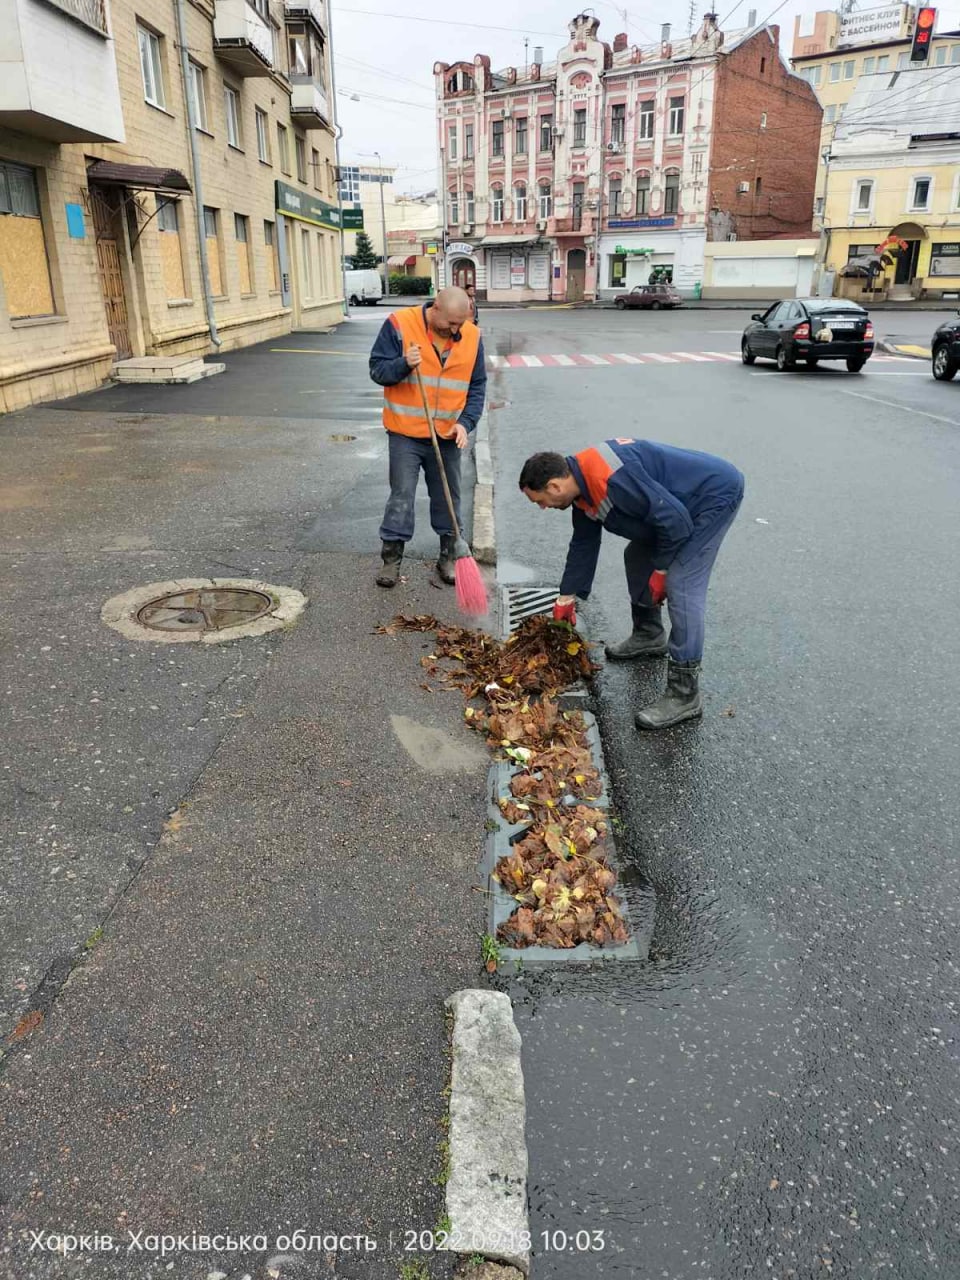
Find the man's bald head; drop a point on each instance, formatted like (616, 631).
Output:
(451, 310)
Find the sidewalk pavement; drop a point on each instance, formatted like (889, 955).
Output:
(267, 846)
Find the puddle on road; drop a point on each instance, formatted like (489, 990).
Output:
(434, 750)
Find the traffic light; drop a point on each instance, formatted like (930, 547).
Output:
(923, 34)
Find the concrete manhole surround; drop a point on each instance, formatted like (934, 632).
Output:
(202, 610)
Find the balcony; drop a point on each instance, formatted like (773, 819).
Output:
(307, 11)
(308, 103)
(242, 37)
(574, 224)
(59, 78)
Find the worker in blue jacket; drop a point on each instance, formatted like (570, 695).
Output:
(674, 506)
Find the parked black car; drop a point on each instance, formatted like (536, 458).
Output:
(811, 330)
(945, 350)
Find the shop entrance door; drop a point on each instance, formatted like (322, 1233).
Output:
(464, 273)
(576, 274)
(106, 204)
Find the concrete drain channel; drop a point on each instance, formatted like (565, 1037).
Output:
(202, 610)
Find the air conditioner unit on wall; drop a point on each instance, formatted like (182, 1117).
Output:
(506, 114)
(466, 227)
(615, 146)
(542, 224)
(743, 187)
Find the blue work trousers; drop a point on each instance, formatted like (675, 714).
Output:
(407, 456)
(687, 579)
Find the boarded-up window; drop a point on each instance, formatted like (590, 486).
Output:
(242, 229)
(273, 255)
(211, 233)
(321, 266)
(306, 264)
(23, 254)
(171, 251)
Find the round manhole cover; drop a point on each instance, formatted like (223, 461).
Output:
(205, 609)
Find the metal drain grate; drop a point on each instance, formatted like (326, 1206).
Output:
(524, 602)
(207, 609)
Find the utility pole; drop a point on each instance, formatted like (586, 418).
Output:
(336, 137)
(383, 225)
(823, 248)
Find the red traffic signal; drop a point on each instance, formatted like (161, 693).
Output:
(923, 34)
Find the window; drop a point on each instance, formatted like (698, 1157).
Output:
(241, 227)
(940, 56)
(350, 184)
(273, 256)
(263, 135)
(580, 127)
(578, 192)
(306, 264)
(231, 109)
(818, 206)
(921, 193)
(454, 208)
(676, 116)
(848, 69)
(955, 54)
(758, 187)
(903, 62)
(815, 73)
(671, 192)
(460, 82)
(618, 123)
(496, 204)
(615, 198)
(868, 66)
(545, 200)
(171, 256)
(497, 137)
(829, 115)
(22, 242)
(211, 234)
(283, 149)
(468, 142)
(834, 72)
(300, 147)
(763, 119)
(315, 166)
(321, 266)
(452, 145)
(546, 133)
(151, 67)
(196, 76)
(883, 62)
(471, 205)
(645, 121)
(618, 270)
(763, 65)
(643, 194)
(520, 202)
(520, 135)
(863, 195)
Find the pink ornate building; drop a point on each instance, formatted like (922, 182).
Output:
(577, 179)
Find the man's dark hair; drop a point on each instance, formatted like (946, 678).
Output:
(541, 468)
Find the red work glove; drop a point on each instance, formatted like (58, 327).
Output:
(565, 610)
(658, 586)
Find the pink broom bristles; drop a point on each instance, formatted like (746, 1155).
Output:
(471, 590)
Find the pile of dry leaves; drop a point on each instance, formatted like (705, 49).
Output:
(558, 869)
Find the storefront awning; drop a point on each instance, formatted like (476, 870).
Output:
(140, 177)
(506, 242)
(399, 260)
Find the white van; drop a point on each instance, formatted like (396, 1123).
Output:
(364, 288)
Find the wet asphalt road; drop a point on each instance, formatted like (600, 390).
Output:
(776, 1093)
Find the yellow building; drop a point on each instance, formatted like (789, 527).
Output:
(832, 51)
(129, 153)
(894, 174)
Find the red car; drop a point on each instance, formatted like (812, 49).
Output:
(653, 296)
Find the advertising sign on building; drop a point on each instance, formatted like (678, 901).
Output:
(305, 208)
(945, 260)
(871, 25)
(353, 219)
(458, 246)
(518, 271)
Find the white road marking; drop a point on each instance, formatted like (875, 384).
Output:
(722, 355)
(691, 355)
(566, 361)
(901, 408)
(594, 359)
(654, 355)
(625, 357)
(498, 362)
(532, 362)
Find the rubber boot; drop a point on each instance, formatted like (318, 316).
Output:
(446, 565)
(682, 700)
(647, 640)
(392, 555)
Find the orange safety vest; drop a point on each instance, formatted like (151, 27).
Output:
(446, 385)
(597, 465)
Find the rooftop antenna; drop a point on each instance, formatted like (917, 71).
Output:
(691, 17)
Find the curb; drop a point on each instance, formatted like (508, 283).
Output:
(487, 1182)
(484, 540)
(905, 349)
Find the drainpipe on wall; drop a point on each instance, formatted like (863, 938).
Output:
(195, 166)
(336, 135)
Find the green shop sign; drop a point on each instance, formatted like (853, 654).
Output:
(306, 208)
(353, 219)
(634, 253)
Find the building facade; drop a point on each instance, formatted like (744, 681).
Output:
(582, 177)
(161, 193)
(363, 187)
(832, 50)
(894, 181)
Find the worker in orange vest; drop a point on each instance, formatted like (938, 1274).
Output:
(442, 341)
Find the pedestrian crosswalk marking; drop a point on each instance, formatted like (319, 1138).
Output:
(615, 359)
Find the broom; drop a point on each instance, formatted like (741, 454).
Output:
(471, 592)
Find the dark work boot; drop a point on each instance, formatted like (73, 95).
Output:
(447, 562)
(392, 556)
(647, 640)
(682, 700)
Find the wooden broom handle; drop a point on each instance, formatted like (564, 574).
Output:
(436, 449)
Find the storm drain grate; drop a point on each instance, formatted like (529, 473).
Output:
(206, 609)
(523, 602)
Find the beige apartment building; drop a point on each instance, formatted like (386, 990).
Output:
(160, 194)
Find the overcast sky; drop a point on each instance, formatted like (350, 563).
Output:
(385, 50)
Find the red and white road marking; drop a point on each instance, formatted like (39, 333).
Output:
(587, 360)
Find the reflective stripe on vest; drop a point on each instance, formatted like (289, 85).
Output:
(447, 385)
(597, 465)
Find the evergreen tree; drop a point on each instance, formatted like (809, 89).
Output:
(363, 254)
